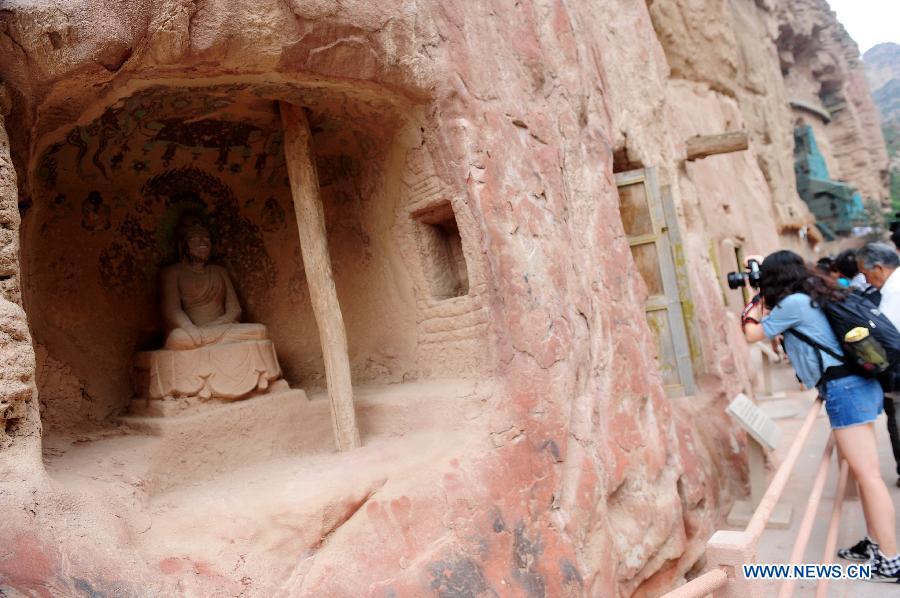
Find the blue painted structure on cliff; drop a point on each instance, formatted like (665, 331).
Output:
(837, 206)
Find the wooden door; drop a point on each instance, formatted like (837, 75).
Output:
(645, 224)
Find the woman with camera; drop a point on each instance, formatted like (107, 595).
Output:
(788, 304)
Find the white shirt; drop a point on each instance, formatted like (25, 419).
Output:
(859, 282)
(890, 298)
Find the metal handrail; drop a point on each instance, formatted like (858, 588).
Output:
(833, 524)
(809, 515)
(770, 499)
(703, 585)
(708, 584)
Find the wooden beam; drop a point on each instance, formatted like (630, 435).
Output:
(701, 146)
(304, 180)
(433, 214)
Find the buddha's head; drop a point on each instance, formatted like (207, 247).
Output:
(194, 243)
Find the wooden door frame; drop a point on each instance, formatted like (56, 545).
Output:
(660, 237)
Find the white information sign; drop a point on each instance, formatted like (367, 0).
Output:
(754, 421)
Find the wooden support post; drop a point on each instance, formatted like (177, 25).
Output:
(701, 146)
(304, 179)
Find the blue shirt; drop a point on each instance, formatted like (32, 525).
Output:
(797, 311)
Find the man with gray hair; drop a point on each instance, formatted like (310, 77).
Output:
(879, 263)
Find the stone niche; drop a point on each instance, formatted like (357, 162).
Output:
(440, 245)
(108, 191)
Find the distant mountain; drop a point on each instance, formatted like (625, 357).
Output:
(882, 64)
(887, 98)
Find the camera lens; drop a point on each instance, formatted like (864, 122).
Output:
(735, 280)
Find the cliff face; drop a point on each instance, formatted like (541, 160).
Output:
(545, 485)
(822, 68)
(560, 466)
(727, 49)
(883, 70)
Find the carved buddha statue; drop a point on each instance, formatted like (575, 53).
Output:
(200, 306)
(208, 353)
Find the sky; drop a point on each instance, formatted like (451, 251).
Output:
(869, 22)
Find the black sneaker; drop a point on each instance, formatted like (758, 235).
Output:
(885, 569)
(861, 552)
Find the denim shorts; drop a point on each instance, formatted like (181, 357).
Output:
(852, 400)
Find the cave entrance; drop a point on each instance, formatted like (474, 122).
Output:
(108, 195)
(104, 197)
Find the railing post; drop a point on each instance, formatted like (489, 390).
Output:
(834, 523)
(766, 374)
(756, 462)
(730, 550)
(809, 516)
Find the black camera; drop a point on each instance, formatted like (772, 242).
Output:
(736, 279)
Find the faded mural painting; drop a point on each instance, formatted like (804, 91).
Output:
(153, 170)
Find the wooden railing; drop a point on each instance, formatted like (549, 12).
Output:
(727, 551)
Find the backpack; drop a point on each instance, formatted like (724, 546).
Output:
(857, 311)
(871, 293)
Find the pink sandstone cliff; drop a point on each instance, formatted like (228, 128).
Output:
(574, 474)
(822, 67)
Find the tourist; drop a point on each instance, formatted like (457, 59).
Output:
(827, 267)
(895, 237)
(878, 262)
(790, 293)
(845, 263)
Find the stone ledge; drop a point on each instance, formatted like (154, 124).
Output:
(141, 408)
(223, 437)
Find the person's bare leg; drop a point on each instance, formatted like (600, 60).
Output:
(859, 490)
(857, 444)
(862, 500)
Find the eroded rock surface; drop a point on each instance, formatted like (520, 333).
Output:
(822, 67)
(882, 64)
(575, 474)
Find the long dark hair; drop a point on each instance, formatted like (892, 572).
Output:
(784, 272)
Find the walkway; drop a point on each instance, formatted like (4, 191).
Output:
(775, 545)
